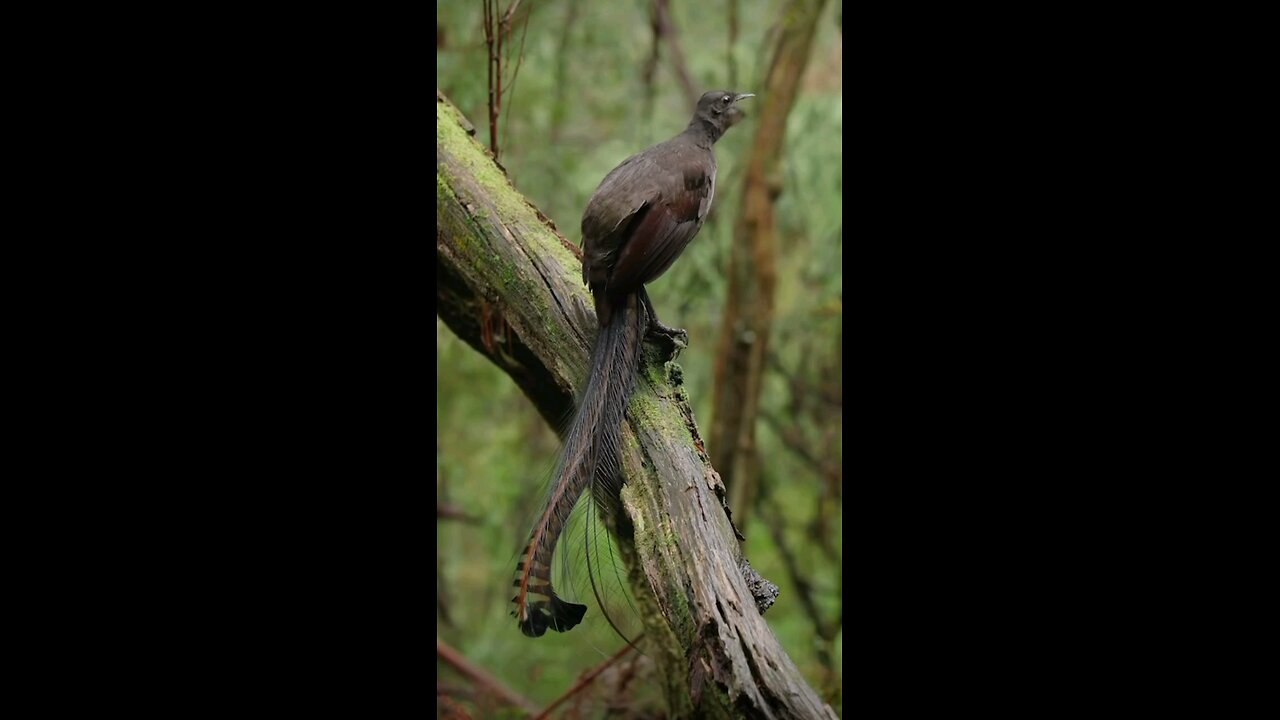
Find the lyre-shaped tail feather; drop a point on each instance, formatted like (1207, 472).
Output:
(537, 605)
(554, 613)
(590, 448)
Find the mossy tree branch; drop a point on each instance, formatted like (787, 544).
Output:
(510, 286)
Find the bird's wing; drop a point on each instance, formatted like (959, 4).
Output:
(662, 228)
(604, 213)
(612, 213)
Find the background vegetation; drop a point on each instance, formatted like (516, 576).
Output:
(588, 94)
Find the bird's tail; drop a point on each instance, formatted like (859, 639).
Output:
(590, 457)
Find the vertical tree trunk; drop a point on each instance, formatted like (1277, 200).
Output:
(748, 310)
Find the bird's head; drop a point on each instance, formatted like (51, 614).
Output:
(720, 108)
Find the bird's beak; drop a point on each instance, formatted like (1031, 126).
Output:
(744, 96)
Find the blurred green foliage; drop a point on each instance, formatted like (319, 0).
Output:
(578, 108)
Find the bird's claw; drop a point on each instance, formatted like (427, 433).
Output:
(676, 338)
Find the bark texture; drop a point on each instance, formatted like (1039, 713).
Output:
(510, 286)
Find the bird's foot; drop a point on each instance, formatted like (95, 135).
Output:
(674, 339)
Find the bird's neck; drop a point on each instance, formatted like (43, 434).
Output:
(703, 132)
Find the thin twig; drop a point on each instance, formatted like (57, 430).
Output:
(827, 631)
(442, 598)
(669, 33)
(562, 77)
(650, 69)
(482, 679)
(586, 679)
(455, 691)
(506, 30)
(442, 582)
(794, 441)
(733, 40)
(559, 106)
(494, 45)
(452, 710)
(447, 511)
(495, 35)
(506, 19)
(828, 394)
(497, 72)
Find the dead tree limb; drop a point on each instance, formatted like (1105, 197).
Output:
(582, 682)
(498, 257)
(482, 679)
(730, 61)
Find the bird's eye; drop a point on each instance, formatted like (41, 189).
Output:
(725, 99)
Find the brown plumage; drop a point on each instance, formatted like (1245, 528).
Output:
(643, 215)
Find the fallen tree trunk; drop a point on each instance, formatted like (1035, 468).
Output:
(510, 286)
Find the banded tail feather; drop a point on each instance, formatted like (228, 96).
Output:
(537, 605)
(554, 613)
(589, 458)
